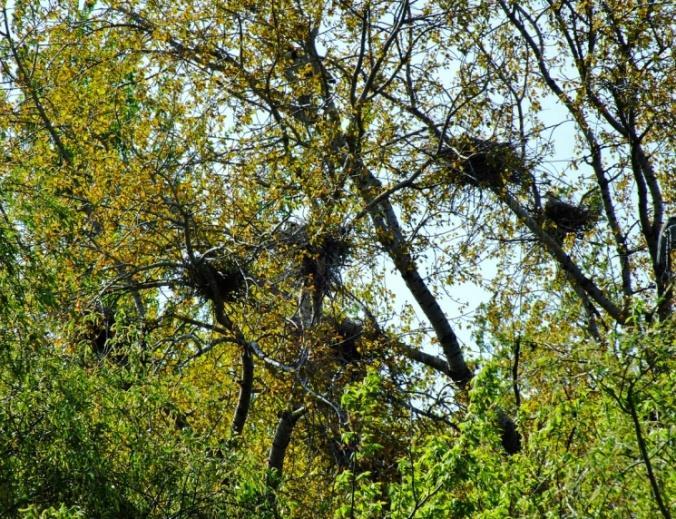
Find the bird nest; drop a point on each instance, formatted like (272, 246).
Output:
(348, 333)
(215, 277)
(321, 254)
(569, 218)
(477, 162)
(97, 328)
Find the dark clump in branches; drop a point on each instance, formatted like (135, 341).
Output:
(101, 330)
(348, 334)
(322, 254)
(325, 256)
(98, 333)
(568, 218)
(509, 436)
(214, 277)
(483, 163)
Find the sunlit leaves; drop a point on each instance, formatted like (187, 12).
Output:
(148, 148)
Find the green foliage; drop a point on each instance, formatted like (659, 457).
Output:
(63, 512)
(231, 234)
(583, 439)
(361, 495)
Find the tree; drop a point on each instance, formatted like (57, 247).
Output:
(222, 190)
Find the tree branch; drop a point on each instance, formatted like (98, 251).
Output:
(280, 442)
(644, 454)
(245, 390)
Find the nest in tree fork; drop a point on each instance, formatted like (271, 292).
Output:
(348, 333)
(568, 218)
(330, 251)
(482, 163)
(98, 329)
(321, 256)
(214, 277)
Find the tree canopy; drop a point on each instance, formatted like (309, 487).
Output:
(206, 206)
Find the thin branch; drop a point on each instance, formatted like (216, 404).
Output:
(631, 406)
(515, 372)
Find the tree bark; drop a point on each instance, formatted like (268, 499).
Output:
(245, 390)
(391, 238)
(280, 443)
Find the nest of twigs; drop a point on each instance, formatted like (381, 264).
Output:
(330, 250)
(569, 218)
(215, 277)
(322, 255)
(477, 162)
(98, 329)
(348, 333)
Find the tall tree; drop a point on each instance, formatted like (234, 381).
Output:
(230, 186)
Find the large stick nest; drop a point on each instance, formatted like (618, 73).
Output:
(482, 163)
(98, 329)
(348, 333)
(215, 277)
(569, 218)
(322, 255)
